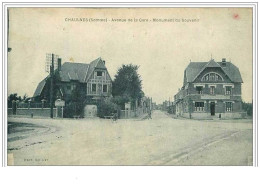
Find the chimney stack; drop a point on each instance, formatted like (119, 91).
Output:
(224, 61)
(59, 64)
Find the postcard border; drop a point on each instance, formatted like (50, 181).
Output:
(6, 5)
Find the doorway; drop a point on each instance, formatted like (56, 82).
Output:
(90, 111)
(212, 108)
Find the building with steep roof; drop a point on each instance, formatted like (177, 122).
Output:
(91, 80)
(210, 89)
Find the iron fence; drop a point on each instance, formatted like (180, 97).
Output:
(32, 105)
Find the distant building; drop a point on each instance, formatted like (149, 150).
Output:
(165, 105)
(210, 89)
(91, 80)
(154, 106)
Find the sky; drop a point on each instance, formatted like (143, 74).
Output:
(161, 49)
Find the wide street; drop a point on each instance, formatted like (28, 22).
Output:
(161, 140)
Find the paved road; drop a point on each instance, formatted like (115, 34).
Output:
(161, 140)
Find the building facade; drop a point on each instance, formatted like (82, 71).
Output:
(210, 89)
(87, 83)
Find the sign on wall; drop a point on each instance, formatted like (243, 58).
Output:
(128, 106)
(59, 103)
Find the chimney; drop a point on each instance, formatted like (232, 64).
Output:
(223, 61)
(59, 64)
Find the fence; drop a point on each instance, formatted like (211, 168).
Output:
(32, 105)
(41, 112)
(128, 114)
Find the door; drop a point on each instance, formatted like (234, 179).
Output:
(90, 111)
(59, 111)
(212, 108)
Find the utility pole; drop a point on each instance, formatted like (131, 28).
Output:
(51, 64)
(51, 90)
(190, 107)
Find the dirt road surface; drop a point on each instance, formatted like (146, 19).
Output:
(161, 140)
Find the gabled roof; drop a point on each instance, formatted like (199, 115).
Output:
(79, 71)
(94, 64)
(195, 68)
(40, 87)
(232, 71)
(74, 71)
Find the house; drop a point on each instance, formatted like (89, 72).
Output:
(210, 89)
(76, 82)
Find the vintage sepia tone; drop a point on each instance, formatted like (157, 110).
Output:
(130, 86)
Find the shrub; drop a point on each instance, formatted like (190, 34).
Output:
(248, 107)
(107, 107)
(74, 108)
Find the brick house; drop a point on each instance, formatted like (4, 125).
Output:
(210, 89)
(91, 80)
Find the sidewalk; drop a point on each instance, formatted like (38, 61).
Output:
(138, 118)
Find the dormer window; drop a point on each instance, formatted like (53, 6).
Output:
(211, 77)
(99, 73)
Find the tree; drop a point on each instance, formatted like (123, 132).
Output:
(127, 84)
(25, 97)
(76, 105)
(107, 107)
(13, 97)
(248, 107)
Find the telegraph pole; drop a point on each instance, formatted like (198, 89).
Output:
(51, 90)
(51, 64)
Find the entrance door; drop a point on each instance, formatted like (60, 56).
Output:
(90, 111)
(212, 108)
(59, 112)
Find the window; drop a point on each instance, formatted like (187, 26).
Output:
(212, 90)
(212, 77)
(104, 88)
(73, 87)
(199, 106)
(94, 87)
(199, 89)
(228, 106)
(99, 73)
(228, 90)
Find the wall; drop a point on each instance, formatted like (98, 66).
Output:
(202, 115)
(233, 115)
(45, 112)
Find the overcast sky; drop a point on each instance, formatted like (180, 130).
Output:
(161, 49)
